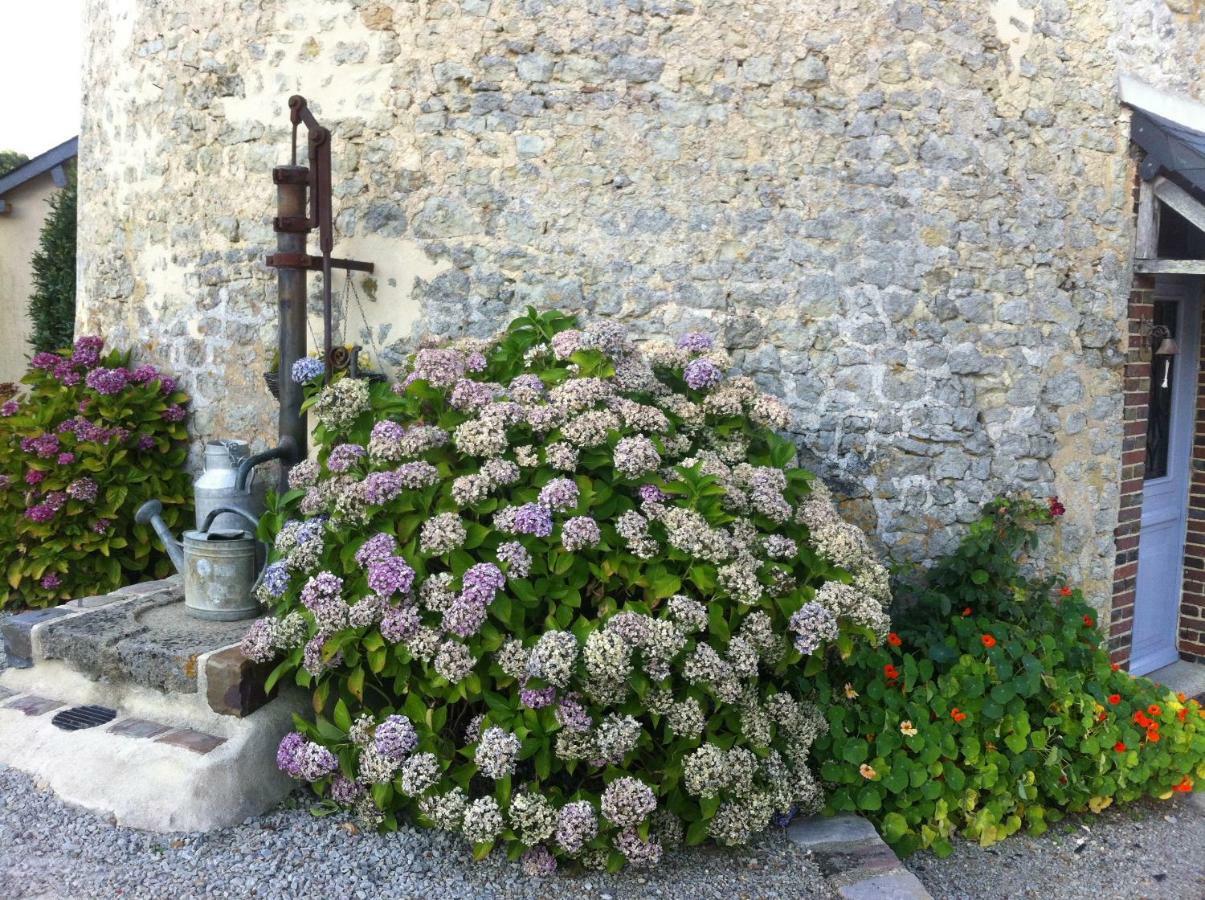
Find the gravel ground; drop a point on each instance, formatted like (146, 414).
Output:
(49, 850)
(1149, 849)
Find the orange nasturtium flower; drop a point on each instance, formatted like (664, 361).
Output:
(1120, 747)
(1089, 621)
(1065, 591)
(1182, 713)
(1185, 786)
(957, 714)
(891, 672)
(1154, 709)
(1115, 699)
(1152, 734)
(966, 611)
(894, 639)
(988, 641)
(1116, 667)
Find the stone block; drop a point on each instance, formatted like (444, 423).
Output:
(196, 741)
(139, 728)
(18, 634)
(816, 832)
(898, 884)
(33, 705)
(234, 685)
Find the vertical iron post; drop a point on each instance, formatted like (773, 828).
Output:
(291, 183)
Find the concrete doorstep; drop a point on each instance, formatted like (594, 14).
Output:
(855, 860)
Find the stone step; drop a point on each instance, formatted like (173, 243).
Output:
(166, 762)
(856, 861)
(141, 635)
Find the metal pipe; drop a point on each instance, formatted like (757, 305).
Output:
(291, 289)
(286, 451)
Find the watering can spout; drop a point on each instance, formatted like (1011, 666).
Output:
(151, 513)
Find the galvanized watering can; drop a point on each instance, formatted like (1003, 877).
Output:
(221, 566)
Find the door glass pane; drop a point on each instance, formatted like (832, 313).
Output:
(1159, 413)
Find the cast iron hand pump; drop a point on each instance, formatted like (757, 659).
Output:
(294, 220)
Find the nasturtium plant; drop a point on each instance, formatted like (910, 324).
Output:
(81, 448)
(562, 594)
(994, 707)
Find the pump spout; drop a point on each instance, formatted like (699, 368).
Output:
(151, 513)
(286, 451)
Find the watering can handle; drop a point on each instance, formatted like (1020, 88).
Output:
(214, 513)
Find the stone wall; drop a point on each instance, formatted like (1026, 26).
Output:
(910, 219)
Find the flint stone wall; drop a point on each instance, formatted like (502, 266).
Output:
(909, 219)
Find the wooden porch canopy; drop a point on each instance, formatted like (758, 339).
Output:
(1170, 129)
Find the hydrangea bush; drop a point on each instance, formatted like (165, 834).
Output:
(562, 594)
(89, 440)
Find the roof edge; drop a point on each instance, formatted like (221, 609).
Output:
(40, 164)
(1178, 108)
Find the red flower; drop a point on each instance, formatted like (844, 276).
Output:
(1056, 508)
(1089, 621)
(1185, 786)
(894, 639)
(966, 611)
(1116, 667)
(1154, 709)
(957, 714)
(1120, 747)
(1102, 717)
(1115, 699)
(1141, 719)
(988, 641)
(891, 672)
(1182, 714)
(1152, 735)
(1065, 591)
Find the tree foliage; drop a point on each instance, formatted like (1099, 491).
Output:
(52, 305)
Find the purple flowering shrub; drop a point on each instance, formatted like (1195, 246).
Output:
(563, 594)
(89, 440)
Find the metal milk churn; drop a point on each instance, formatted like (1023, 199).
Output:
(217, 486)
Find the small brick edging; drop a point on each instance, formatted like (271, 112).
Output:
(855, 861)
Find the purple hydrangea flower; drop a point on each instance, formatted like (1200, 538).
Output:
(45, 360)
(376, 547)
(696, 342)
(9, 408)
(475, 362)
(482, 581)
(144, 373)
(381, 487)
(306, 369)
(100, 526)
(400, 624)
(34, 476)
(108, 381)
(84, 489)
(276, 579)
(537, 698)
(286, 753)
(538, 862)
(559, 494)
(464, 617)
(652, 494)
(344, 457)
(534, 519)
(174, 413)
(51, 581)
(43, 446)
(65, 459)
(40, 512)
(702, 374)
(322, 587)
(580, 532)
(146, 442)
(395, 737)
(345, 791)
(389, 576)
(87, 351)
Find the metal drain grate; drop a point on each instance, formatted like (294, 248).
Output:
(80, 717)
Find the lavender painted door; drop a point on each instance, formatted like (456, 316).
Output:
(1170, 424)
